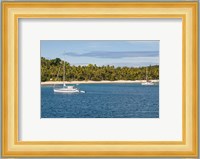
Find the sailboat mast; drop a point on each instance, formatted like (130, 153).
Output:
(146, 74)
(64, 72)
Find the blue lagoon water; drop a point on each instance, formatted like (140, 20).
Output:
(102, 101)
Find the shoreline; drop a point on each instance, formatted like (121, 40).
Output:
(95, 82)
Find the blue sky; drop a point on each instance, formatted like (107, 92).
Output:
(102, 52)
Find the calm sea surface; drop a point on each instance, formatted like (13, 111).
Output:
(102, 101)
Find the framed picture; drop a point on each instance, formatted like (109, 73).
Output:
(100, 79)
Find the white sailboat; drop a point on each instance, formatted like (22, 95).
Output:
(147, 83)
(67, 89)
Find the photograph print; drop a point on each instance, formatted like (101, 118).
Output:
(99, 78)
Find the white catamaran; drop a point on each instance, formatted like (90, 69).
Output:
(67, 89)
(147, 83)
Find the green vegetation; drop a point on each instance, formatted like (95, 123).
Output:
(53, 70)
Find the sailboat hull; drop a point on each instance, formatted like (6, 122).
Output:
(63, 90)
(148, 84)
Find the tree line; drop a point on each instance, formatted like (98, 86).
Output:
(52, 70)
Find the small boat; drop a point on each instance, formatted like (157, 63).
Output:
(67, 89)
(147, 83)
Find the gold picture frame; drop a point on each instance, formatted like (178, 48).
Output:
(187, 11)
